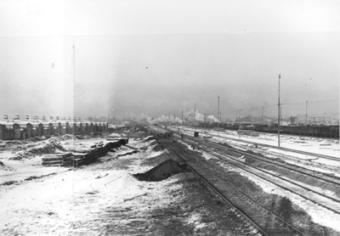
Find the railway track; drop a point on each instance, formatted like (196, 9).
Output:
(331, 179)
(258, 220)
(279, 148)
(315, 174)
(321, 199)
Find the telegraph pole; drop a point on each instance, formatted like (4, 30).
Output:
(279, 115)
(218, 114)
(306, 112)
(182, 120)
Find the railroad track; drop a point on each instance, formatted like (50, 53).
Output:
(291, 167)
(315, 174)
(304, 192)
(279, 148)
(258, 220)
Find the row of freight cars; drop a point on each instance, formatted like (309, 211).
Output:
(331, 131)
(159, 131)
(324, 131)
(26, 129)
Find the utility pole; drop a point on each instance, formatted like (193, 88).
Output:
(262, 115)
(279, 114)
(218, 114)
(182, 120)
(306, 112)
(218, 107)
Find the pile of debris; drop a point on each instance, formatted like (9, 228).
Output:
(162, 171)
(50, 147)
(70, 159)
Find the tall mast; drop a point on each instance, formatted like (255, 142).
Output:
(306, 112)
(74, 71)
(218, 108)
(218, 114)
(279, 115)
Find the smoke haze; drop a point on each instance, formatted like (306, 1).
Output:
(125, 58)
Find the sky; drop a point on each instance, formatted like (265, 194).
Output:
(127, 58)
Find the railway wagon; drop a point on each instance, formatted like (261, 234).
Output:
(322, 131)
(311, 131)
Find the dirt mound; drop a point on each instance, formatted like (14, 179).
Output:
(162, 171)
(154, 142)
(157, 148)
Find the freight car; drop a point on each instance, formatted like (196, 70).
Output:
(321, 131)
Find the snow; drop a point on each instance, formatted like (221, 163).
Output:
(57, 203)
(307, 144)
(314, 168)
(319, 214)
(155, 154)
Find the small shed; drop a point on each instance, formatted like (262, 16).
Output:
(6, 130)
(54, 128)
(46, 129)
(34, 129)
(100, 126)
(91, 127)
(70, 127)
(82, 127)
(87, 128)
(62, 127)
(18, 131)
(76, 128)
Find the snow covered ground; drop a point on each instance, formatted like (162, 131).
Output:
(105, 199)
(322, 146)
(319, 214)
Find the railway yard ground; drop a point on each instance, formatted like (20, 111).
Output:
(167, 185)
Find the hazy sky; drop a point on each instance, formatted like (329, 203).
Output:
(154, 57)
